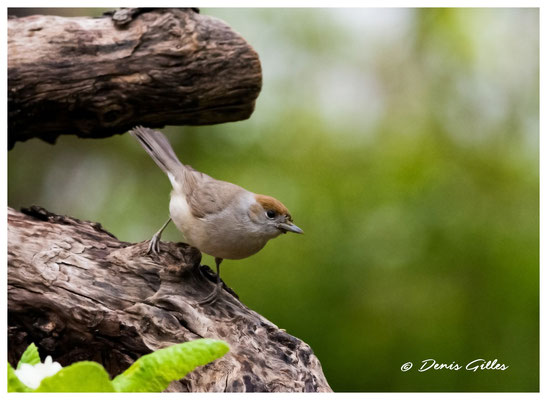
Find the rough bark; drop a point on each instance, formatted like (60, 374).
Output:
(80, 294)
(96, 77)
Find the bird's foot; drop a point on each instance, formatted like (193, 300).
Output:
(212, 297)
(154, 245)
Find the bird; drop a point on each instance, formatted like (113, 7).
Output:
(218, 218)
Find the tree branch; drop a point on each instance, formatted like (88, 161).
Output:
(80, 294)
(96, 77)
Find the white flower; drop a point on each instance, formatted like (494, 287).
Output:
(32, 375)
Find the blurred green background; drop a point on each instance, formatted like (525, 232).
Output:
(405, 144)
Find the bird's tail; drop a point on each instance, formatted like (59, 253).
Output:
(158, 147)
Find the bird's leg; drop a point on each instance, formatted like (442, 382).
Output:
(214, 295)
(154, 245)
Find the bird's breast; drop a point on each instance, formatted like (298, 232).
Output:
(181, 215)
(220, 235)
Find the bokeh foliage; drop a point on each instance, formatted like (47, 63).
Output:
(405, 144)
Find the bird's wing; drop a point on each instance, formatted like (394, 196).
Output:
(211, 196)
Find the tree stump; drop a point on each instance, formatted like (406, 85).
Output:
(80, 294)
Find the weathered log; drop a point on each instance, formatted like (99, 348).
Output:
(96, 77)
(80, 294)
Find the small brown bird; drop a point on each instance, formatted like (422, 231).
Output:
(218, 218)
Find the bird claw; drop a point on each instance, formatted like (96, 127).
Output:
(211, 298)
(154, 245)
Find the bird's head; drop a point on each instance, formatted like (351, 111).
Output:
(272, 216)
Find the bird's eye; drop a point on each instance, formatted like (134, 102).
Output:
(271, 214)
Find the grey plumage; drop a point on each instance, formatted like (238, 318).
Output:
(217, 217)
(203, 194)
(157, 146)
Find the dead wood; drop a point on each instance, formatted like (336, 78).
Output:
(81, 294)
(96, 77)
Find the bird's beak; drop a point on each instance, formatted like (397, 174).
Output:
(289, 227)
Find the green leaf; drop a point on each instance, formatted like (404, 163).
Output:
(30, 356)
(14, 384)
(153, 372)
(83, 376)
